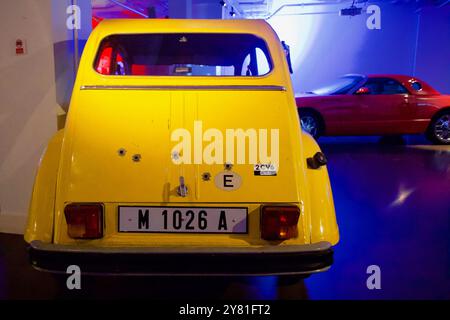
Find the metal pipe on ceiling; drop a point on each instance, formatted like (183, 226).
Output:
(308, 13)
(306, 4)
(253, 3)
(120, 4)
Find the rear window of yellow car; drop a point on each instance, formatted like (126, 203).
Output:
(178, 54)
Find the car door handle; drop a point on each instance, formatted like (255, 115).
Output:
(182, 190)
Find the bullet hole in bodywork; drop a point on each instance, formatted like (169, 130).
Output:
(206, 176)
(136, 157)
(122, 152)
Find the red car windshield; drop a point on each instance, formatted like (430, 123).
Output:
(339, 86)
(183, 55)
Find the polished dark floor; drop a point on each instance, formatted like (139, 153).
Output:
(393, 206)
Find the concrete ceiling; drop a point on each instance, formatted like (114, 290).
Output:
(266, 8)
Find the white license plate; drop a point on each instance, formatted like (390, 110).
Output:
(183, 219)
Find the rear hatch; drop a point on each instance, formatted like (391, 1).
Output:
(120, 152)
(121, 147)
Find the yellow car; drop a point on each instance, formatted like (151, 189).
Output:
(182, 153)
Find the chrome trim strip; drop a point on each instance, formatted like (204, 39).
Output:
(314, 247)
(205, 87)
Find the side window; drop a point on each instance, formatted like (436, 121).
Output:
(391, 86)
(103, 65)
(416, 86)
(374, 85)
(262, 63)
(245, 65)
(385, 86)
(120, 67)
(111, 62)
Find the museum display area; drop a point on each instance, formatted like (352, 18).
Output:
(225, 150)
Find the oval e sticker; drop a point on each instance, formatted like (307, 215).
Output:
(228, 181)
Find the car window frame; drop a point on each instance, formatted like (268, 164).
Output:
(386, 94)
(102, 45)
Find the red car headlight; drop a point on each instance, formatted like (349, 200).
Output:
(279, 222)
(84, 221)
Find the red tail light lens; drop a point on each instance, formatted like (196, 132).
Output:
(84, 221)
(279, 222)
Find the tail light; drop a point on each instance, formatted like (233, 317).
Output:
(279, 222)
(84, 221)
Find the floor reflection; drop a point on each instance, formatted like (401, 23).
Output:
(393, 208)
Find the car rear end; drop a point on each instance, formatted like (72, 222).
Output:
(139, 189)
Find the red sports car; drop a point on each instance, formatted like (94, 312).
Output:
(376, 105)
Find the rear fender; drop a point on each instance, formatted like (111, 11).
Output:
(322, 213)
(41, 211)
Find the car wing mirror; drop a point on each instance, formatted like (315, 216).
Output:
(363, 90)
(287, 52)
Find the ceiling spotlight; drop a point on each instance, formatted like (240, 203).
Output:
(232, 12)
(223, 3)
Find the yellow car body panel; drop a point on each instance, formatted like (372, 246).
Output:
(41, 212)
(82, 164)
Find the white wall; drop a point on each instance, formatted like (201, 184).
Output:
(33, 88)
(324, 47)
(27, 104)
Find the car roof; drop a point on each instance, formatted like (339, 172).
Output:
(399, 77)
(108, 27)
(127, 26)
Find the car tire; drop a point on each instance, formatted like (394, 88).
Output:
(438, 131)
(311, 123)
